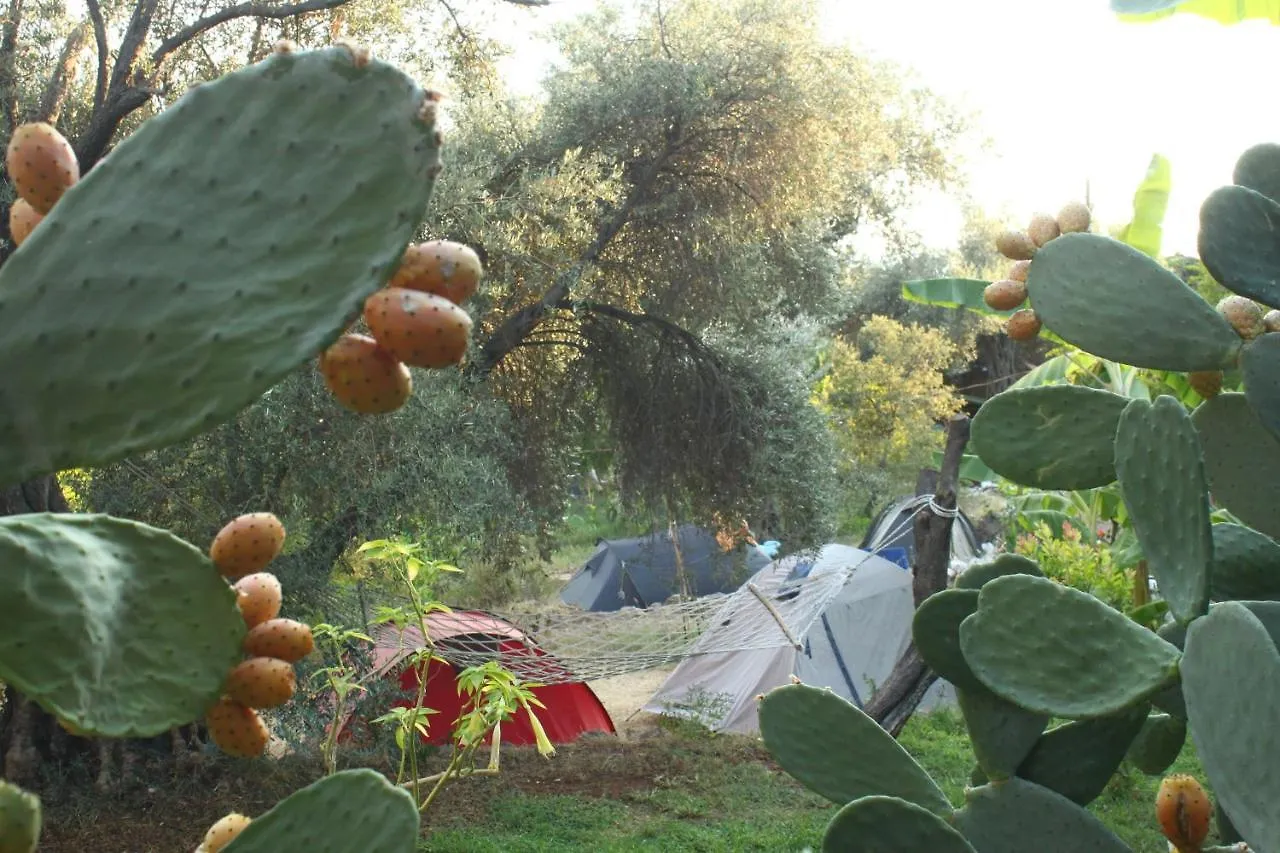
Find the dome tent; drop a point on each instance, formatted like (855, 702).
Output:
(851, 645)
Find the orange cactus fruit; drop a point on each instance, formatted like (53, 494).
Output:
(247, 544)
(1184, 811)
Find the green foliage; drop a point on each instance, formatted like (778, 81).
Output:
(885, 397)
(209, 235)
(20, 819)
(1072, 559)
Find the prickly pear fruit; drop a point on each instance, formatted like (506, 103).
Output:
(236, 730)
(1184, 811)
(262, 682)
(41, 165)
(282, 639)
(20, 819)
(1043, 228)
(420, 329)
(1271, 320)
(1022, 325)
(1016, 246)
(1074, 217)
(247, 544)
(1019, 270)
(23, 219)
(442, 267)
(1244, 315)
(1207, 383)
(259, 597)
(1005, 295)
(224, 832)
(364, 377)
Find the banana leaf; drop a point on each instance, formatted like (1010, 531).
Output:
(951, 293)
(1222, 11)
(1150, 202)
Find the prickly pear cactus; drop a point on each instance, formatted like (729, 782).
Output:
(1020, 648)
(220, 246)
(20, 819)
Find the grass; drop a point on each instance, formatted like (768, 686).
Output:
(671, 788)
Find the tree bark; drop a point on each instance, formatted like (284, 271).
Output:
(900, 695)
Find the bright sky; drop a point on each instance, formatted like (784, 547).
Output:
(1065, 94)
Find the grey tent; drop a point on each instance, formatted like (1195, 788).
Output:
(643, 571)
(892, 533)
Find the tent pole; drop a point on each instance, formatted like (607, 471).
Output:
(777, 617)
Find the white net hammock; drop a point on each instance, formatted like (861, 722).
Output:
(558, 644)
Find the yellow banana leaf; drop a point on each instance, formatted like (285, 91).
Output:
(1150, 202)
(1222, 11)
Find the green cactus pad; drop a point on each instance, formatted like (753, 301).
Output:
(355, 811)
(1001, 733)
(1117, 303)
(979, 574)
(1246, 564)
(120, 629)
(890, 825)
(1231, 679)
(836, 750)
(1018, 815)
(1227, 831)
(1260, 366)
(1238, 244)
(1078, 759)
(935, 629)
(1050, 437)
(1242, 461)
(179, 280)
(1158, 744)
(1259, 169)
(1161, 473)
(1266, 612)
(20, 819)
(1055, 650)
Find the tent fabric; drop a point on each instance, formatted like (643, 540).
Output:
(851, 648)
(892, 533)
(643, 571)
(571, 708)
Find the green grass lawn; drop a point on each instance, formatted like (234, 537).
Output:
(677, 792)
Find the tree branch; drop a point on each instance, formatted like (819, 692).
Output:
(135, 38)
(895, 701)
(241, 10)
(100, 40)
(8, 64)
(55, 91)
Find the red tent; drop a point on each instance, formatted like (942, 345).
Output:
(572, 708)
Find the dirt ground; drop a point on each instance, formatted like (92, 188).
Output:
(624, 695)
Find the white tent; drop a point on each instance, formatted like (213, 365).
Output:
(849, 642)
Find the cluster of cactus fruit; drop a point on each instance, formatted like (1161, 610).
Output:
(300, 218)
(1022, 651)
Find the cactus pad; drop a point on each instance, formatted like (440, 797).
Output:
(179, 280)
(355, 811)
(1238, 242)
(1050, 437)
(1242, 461)
(1117, 303)
(935, 629)
(1161, 473)
(1158, 744)
(20, 819)
(1002, 734)
(1021, 816)
(1077, 759)
(890, 825)
(1259, 169)
(979, 574)
(117, 628)
(1260, 365)
(1231, 679)
(1056, 650)
(1246, 564)
(836, 750)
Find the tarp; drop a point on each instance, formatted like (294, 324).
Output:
(643, 571)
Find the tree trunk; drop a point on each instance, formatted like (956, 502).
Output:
(900, 695)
